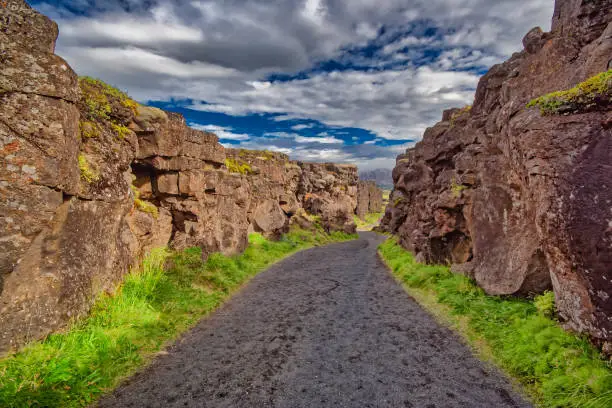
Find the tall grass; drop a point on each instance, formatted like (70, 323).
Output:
(124, 331)
(557, 368)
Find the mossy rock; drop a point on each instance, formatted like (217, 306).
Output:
(590, 94)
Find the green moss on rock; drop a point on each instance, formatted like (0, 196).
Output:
(583, 96)
(87, 173)
(89, 130)
(235, 166)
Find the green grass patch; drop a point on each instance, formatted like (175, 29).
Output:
(558, 369)
(369, 222)
(582, 96)
(166, 296)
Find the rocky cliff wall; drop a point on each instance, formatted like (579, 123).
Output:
(90, 180)
(369, 198)
(520, 198)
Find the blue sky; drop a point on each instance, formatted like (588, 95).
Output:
(335, 80)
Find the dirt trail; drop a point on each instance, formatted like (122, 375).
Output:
(328, 327)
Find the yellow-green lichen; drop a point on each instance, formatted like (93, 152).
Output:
(234, 166)
(87, 173)
(466, 109)
(146, 207)
(457, 188)
(121, 131)
(582, 96)
(89, 129)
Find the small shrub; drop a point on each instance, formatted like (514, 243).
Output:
(87, 173)
(545, 304)
(582, 96)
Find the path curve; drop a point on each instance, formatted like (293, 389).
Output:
(327, 327)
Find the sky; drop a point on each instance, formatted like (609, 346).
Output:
(355, 81)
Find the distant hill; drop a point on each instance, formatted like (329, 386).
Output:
(382, 177)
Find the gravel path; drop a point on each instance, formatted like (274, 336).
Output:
(327, 327)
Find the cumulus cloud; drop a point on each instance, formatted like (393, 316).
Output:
(386, 66)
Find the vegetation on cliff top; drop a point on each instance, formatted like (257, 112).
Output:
(557, 368)
(102, 103)
(235, 166)
(583, 96)
(125, 330)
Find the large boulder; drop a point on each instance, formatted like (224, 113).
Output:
(270, 219)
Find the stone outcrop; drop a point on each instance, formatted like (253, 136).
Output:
(519, 198)
(90, 181)
(330, 190)
(369, 198)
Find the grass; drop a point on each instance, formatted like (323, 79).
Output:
(369, 221)
(558, 369)
(581, 97)
(124, 330)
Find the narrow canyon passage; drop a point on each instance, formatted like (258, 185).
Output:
(327, 327)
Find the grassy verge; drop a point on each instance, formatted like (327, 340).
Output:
(369, 222)
(125, 330)
(558, 369)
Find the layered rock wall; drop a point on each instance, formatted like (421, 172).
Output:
(369, 198)
(91, 180)
(519, 198)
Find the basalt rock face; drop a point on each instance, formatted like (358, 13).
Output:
(90, 181)
(330, 190)
(516, 199)
(369, 198)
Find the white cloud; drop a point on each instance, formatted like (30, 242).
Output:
(315, 139)
(302, 127)
(221, 132)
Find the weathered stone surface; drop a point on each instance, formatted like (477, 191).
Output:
(369, 198)
(82, 252)
(329, 190)
(151, 231)
(521, 201)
